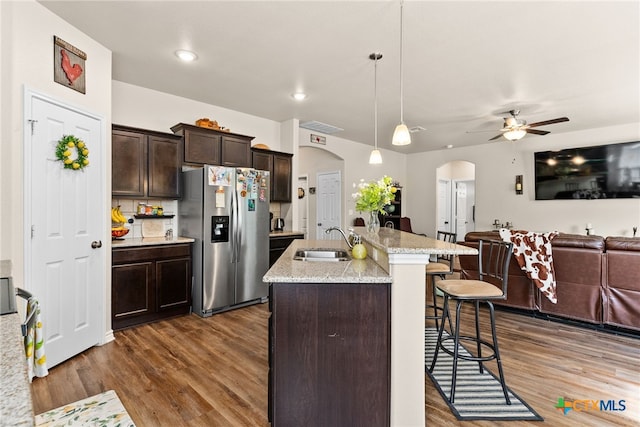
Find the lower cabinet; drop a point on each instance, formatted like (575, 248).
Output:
(329, 354)
(279, 244)
(149, 283)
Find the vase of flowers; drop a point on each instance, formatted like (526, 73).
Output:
(372, 197)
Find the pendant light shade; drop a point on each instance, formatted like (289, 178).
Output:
(375, 158)
(401, 135)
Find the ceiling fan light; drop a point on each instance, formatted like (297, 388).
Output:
(375, 158)
(186, 55)
(514, 135)
(401, 135)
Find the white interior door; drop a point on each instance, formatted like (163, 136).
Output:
(328, 203)
(444, 205)
(461, 210)
(65, 215)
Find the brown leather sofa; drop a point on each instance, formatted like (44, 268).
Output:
(597, 279)
(621, 290)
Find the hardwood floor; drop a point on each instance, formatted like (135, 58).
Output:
(190, 371)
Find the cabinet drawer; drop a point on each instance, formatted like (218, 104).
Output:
(283, 242)
(142, 253)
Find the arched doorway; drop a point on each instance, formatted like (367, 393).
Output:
(312, 162)
(456, 197)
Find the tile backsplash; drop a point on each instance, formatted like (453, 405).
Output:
(170, 207)
(128, 207)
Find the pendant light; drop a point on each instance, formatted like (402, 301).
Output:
(375, 158)
(401, 135)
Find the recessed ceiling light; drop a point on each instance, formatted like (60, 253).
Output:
(299, 96)
(449, 145)
(186, 56)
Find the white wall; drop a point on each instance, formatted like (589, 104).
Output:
(498, 163)
(149, 109)
(312, 160)
(27, 31)
(356, 167)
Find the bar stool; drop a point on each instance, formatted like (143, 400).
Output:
(442, 267)
(493, 266)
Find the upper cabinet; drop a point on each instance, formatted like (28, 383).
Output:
(145, 163)
(214, 147)
(279, 166)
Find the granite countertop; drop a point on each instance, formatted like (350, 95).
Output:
(288, 270)
(16, 408)
(149, 241)
(399, 242)
(285, 233)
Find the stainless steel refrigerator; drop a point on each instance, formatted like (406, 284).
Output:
(226, 211)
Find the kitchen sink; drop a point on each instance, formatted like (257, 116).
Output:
(321, 254)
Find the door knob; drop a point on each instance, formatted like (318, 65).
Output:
(96, 244)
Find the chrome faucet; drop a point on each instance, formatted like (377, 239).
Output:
(351, 240)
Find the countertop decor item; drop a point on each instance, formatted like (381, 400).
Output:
(211, 124)
(72, 152)
(372, 197)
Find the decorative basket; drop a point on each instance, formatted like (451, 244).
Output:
(119, 233)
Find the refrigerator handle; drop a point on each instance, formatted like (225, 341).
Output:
(234, 226)
(238, 229)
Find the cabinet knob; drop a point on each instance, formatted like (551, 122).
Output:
(96, 244)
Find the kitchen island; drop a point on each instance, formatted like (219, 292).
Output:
(397, 258)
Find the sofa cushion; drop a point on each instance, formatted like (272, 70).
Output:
(621, 284)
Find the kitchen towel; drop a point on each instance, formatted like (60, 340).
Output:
(34, 342)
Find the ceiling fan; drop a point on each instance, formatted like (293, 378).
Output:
(515, 128)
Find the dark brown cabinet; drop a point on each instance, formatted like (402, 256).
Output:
(149, 283)
(145, 163)
(329, 354)
(279, 244)
(214, 147)
(279, 166)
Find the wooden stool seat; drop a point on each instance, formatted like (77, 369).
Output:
(470, 289)
(438, 267)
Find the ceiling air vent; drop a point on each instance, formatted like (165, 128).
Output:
(320, 127)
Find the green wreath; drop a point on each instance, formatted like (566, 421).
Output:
(65, 149)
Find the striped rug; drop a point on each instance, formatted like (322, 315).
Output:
(478, 396)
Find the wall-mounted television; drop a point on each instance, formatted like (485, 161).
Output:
(601, 172)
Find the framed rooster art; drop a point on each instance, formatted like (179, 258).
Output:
(68, 65)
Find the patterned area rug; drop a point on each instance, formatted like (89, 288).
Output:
(478, 396)
(103, 410)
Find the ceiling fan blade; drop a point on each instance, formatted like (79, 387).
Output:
(549, 122)
(537, 132)
(479, 131)
(495, 137)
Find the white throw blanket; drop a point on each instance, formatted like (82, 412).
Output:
(533, 254)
